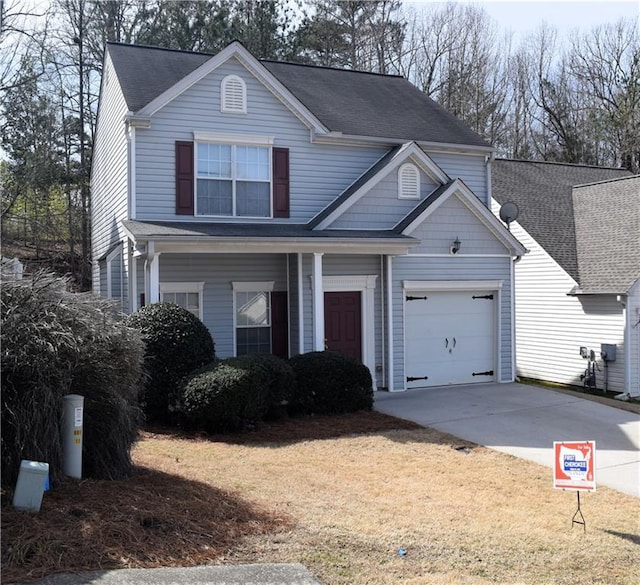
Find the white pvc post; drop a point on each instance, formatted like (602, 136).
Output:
(72, 423)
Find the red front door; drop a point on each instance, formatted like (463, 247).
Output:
(343, 323)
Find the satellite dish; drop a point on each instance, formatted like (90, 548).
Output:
(509, 212)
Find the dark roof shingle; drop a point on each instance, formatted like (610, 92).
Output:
(543, 193)
(351, 102)
(607, 217)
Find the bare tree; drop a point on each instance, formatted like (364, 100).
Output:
(606, 63)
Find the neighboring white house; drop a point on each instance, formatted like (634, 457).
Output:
(297, 208)
(579, 285)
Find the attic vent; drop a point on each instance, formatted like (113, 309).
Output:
(408, 182)
(233, 95)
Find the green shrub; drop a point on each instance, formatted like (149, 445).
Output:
(177, 343)
(225, 396)
(330, 383)
(54, 343)
(280, 381)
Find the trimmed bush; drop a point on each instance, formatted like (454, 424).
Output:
(280, 381)
(55, 342)
(177, 343)
(225, 397)
(330, 383)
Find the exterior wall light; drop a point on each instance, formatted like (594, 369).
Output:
(455, 247)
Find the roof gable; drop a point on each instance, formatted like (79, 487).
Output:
(607, 219)
(543, 193)
(335, 103)
(387, 164)
(457, 188)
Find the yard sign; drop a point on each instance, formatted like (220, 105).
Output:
(574, 465)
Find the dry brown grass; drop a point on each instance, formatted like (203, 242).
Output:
(343, 506)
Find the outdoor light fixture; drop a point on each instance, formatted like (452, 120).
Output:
(455, 247)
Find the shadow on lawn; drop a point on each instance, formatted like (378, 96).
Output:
(152, 519)
(299, 429)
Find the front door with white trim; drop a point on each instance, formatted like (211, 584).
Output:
(449, 337)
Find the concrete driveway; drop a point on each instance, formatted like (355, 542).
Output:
(524, 421)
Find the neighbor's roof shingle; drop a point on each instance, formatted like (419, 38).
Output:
(351, 102)
(607, 217)
(543, 193)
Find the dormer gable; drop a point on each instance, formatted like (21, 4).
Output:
(402, 166)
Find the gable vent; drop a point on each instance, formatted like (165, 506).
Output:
(233, 95)
(408, 182)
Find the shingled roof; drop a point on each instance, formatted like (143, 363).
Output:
(350, 102)
(543, 193)
(607, 217)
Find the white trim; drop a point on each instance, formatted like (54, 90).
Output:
(364, 284)
(318, 303)
(184, 287)
(226, 138)
(390, 353)
(452, 285)
(458, 255)
(410, 149)
(224, 101)
(254, 286)
(133, 280)
(131, 160)
(403, 188)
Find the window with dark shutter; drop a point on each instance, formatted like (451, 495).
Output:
(184, 178)
(280, 182)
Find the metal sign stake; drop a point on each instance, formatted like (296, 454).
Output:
(579, 512)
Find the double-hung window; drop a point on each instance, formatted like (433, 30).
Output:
(252, 317)
(187, 295)
(233, 179)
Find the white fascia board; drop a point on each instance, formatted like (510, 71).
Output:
(252, 65)
(408, 150)
(479, 210)
(290, 246)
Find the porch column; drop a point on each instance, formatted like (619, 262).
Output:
(300, 306)
(154, 275)
(318, 303)
(389, 295)
(133, 280)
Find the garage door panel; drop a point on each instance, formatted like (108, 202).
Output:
(449, 337)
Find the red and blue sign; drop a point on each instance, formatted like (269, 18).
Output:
(574, 465)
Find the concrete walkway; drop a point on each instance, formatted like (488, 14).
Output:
(524, 421)
(266, 574)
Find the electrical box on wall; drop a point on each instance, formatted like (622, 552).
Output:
(608, 352)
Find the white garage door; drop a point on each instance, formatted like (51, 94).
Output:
(449, 337)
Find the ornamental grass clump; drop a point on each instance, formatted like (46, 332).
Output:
(54, 343)
(177, 343)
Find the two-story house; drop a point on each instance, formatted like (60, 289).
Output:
(296, 208)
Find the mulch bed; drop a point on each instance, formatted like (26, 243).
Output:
(154, 519)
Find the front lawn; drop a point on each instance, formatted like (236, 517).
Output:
(341, 495)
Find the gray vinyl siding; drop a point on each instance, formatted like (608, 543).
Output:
(472, 169)
(453, 219)
(218, 271)
(109, 182)
(380, 208)
(318, 173)
(459, 269)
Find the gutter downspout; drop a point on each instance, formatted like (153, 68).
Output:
(513, 317)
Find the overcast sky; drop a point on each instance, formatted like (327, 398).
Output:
(524, 17)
